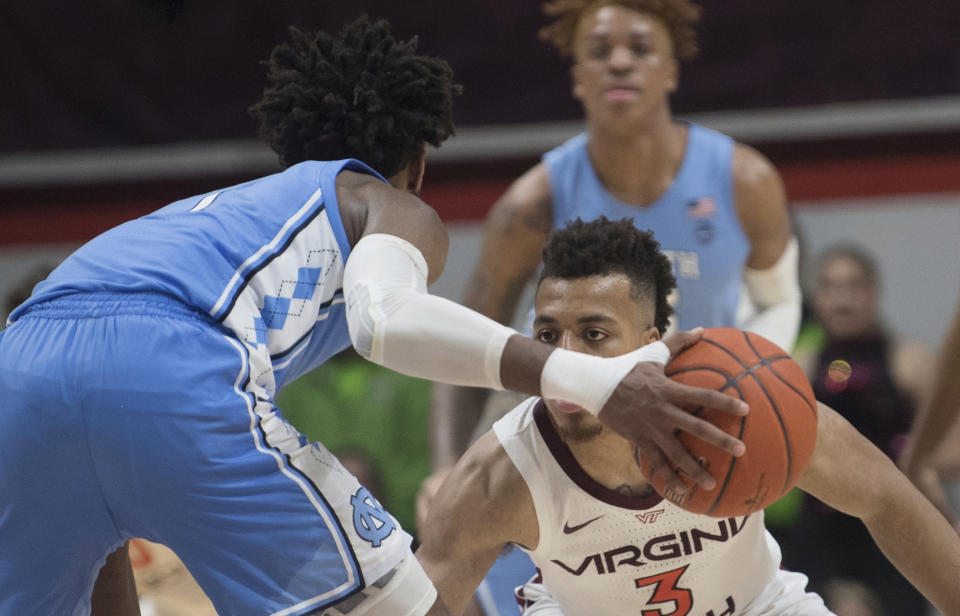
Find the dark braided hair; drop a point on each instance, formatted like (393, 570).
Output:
(361, 95)
(603, 247)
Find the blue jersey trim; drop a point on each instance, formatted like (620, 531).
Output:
(253, 268)
(282, 355)
(284, 459)
(328, 179)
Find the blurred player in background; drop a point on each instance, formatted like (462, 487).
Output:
(717, 207)
(552, 481)
(875, 380)
(138, 381)
(935, 439)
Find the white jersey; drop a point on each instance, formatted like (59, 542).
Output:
(600, 550)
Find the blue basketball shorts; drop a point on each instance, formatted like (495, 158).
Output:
(129, 415)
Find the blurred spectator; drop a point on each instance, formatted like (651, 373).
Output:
(876, 381)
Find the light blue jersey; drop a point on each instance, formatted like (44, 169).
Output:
(137, 400)
(264, 258)
(695, 221)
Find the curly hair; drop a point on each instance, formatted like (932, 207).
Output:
(679, 16)
(603, 247)
(361, 95)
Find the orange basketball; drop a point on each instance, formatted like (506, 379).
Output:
(779, 432)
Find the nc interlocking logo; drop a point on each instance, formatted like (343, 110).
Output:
(370, 520)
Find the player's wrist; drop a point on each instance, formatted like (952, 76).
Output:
(588, 381)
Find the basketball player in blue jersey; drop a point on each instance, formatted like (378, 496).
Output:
(138, 381)
(551, 481)
(717, 207)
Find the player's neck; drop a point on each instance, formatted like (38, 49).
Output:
(608, 460)
(638, 166)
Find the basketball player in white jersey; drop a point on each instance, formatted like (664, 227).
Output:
(551, 480)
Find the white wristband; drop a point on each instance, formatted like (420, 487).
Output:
(588, 381)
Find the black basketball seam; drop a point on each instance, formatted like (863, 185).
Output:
(783, 426)
(812, 407)
(780, 378)
(725, 350)
(733, 461)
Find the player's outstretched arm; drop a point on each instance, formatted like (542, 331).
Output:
(514, 233)
(394, 322)
(939, 414)
(848, 473)
(771, 275)
(483, 506)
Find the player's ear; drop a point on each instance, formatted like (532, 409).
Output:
(652, 334)
(673, 75)
(577, 87)
(415, 170)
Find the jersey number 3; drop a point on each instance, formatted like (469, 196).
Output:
(665, 589)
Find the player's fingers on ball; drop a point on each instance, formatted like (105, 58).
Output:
(690, 396)
(708, 432)
(686, 464)
(660, 465)
(678, 341)
(646, 449)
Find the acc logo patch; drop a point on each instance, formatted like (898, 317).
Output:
(370, 520)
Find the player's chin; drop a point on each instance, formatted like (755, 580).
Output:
(562, 406)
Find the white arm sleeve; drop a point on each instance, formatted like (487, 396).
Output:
(394, 322)
(775, 294)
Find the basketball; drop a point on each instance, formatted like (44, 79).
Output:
(779, 431)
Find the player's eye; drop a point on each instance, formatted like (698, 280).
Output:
(547, 336)
(595, 335)
(598, 52)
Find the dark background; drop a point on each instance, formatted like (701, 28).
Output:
(126, 72)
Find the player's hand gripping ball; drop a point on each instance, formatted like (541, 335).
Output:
(779, 432)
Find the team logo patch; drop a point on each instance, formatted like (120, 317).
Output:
(370, 520)
(705, 231)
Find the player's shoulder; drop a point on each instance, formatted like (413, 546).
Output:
(487, 460)
(369, 205)
(758, 191)
(487, 497)
(750, 165)
(527, 205)
(530, 191)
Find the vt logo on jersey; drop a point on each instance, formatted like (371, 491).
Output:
(370, 520)
(649, 517)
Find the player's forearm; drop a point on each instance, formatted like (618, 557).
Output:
(775, 292)
(920, 543)
(778, 323)
(942, 409)
(454, 414)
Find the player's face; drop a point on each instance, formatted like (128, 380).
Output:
(845, 300)
(623, 63)
(599, 315)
